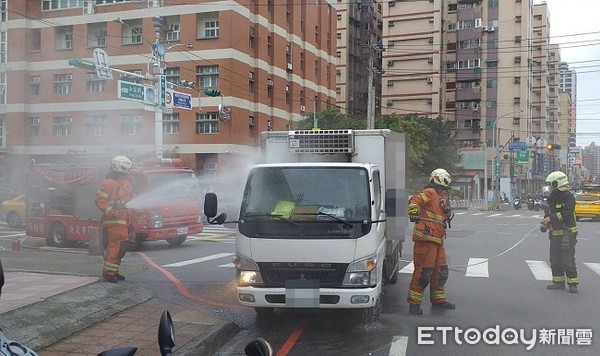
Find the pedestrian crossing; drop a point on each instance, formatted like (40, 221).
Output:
(215, 233)
(479, 268)
(512, 214)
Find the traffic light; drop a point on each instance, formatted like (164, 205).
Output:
(212, 92)
(82, 63)
(551, 147)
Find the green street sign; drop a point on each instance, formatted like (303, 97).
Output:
(82, 63)
(522, 156)
(131, 91)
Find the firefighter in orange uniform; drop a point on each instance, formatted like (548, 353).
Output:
(430, 211)
(114, 192)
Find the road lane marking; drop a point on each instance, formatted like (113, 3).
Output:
(198, 260)
(594, 267)
(493, 215)
(409, 268)
(477, 267)
(478, 214)
(399, 345)
(540, 270)
(228, 265)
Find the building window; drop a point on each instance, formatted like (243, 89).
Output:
(63, 4)
(95, 84)
(97, 34)
(131, 79)
(132, 32)
(95, 125)
(2, 47)
(208, 25)
(251, 35)
(517, 80)
(61, 125)
(492, 83)
(130, 125)
(208, 76)
(173, 32)
(207, 123)
(491, 63)
(1, 130)
(171, 123)
(251, 82)
(3, 7)
(63, 83)
(34, 126)
(35, 85)
(470, 63)
(172, 76)
(63, 37)
(35, 39)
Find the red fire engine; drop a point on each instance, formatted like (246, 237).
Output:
(61, 208)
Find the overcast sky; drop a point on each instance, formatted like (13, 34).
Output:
(569, 20)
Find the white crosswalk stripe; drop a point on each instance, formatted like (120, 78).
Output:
(198, 260)
(479, 268)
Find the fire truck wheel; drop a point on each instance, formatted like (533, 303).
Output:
(57, 236)
(177, 240)
(13, 220)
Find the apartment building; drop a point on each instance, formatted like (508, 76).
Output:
(359, 48)
(568, 84)
(272, 61)
(489, 67)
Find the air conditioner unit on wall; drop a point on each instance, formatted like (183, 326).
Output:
(302, 108)
(429, 80)
(389, 102)
(430, 60)
(250, 121)
(289, 67)
(89, 7)
(154, 3)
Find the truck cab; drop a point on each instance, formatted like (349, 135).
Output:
(322, 222)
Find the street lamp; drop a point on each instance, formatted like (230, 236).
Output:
(496, 152)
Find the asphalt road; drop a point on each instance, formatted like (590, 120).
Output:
(499, 271)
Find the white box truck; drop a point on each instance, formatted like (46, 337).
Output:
(322, 220)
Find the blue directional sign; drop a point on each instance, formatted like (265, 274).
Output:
(182, 100)
(517, 146)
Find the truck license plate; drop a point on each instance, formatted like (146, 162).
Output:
(182, 231)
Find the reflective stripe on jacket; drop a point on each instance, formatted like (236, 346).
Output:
(561, 210)
(112, 195)
(433, 205)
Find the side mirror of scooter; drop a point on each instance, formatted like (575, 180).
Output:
(166, 334)
(258, 347)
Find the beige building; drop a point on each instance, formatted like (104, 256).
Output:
(485, 65)
(273, 62)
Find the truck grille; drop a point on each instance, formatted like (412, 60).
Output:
(276, 273)
(323, 141)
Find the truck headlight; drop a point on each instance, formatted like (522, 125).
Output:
(156, 220)
(362, 273)
(247, 272)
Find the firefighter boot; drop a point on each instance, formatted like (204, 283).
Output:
(572, 288)
(555, 286)
(120, 277)
(415, 309)
(109, 278)
(444, 305)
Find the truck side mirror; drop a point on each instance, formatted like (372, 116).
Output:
(210, 205)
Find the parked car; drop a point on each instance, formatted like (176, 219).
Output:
(15, 210)
(587, 205)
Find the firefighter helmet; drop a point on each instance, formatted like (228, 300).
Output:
(558, 180)
(120, 164)
(440, 177)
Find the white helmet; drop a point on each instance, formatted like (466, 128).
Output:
(440, 177)
(558, 180)
(120, 164)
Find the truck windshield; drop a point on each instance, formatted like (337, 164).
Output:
(317, 199)
(169, 186)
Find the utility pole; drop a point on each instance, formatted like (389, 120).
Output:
(158, 51)
(375, 50)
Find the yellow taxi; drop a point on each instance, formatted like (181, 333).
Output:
(587, 205)
(15, 210)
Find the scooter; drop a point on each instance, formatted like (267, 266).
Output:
(517, 203)
(530, 204)
(537, 204)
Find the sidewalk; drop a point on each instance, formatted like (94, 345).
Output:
(60, 314)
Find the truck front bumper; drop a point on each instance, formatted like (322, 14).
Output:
(173, 232)
(323, 298)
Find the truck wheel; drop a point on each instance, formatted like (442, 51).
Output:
(136, 245)
(394, 277)
(57, 236)
(13, 219)
(177, 240)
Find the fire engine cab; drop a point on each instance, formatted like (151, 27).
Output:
(60, 202)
